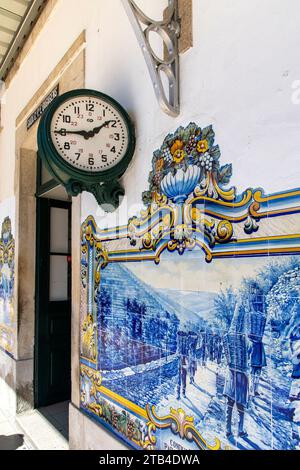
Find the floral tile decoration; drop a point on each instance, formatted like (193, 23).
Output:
(7, 259)
(190, 313)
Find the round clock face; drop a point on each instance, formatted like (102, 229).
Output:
(89, 133)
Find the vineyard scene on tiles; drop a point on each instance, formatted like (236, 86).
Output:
(190, 313)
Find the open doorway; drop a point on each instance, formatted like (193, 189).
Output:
(35, 328)
(52, 383)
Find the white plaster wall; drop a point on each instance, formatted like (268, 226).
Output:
(239, 76)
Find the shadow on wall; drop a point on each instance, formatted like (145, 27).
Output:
(12, 442)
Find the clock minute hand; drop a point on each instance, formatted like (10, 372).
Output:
(88, 134)
(96, 130)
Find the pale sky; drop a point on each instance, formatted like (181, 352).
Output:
(193, 273)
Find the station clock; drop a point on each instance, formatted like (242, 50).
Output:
(86, 139)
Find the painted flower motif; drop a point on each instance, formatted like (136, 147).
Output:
(202, 146)
(159, 164)
(178, 145)
(178, 156)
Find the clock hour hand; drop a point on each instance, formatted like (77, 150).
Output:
(85, 134)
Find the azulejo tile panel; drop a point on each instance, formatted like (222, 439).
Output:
(7, 259)
(190, 313)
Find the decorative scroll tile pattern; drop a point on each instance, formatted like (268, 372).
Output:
(177, 353)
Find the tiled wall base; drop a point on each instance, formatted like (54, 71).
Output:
(85, 434)
(16, 384)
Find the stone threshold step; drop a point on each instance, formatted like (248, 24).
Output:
(40, 432)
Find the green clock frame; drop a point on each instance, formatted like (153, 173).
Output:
(104, 185)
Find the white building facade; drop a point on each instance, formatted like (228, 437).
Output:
(238, 74)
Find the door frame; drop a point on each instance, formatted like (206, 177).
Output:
(42, 277)
(69, 72)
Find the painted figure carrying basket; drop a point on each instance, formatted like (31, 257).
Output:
(183, 351)
(236, 383)
(193, 340)
(257, 329)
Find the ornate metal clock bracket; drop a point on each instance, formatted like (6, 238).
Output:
(169, 30)
(108, 194)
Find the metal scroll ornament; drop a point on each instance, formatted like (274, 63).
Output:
(168, 29)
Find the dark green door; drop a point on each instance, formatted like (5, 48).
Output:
(53, 302)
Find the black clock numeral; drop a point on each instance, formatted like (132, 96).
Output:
(104, 158)
(117, 136)
(90, 107)
(66, 118)
(113, 123)
(91, 161)
(63, 132)
(76, 109)
(77, 155)
(103, 113)
(113, 149)
(67, 145)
